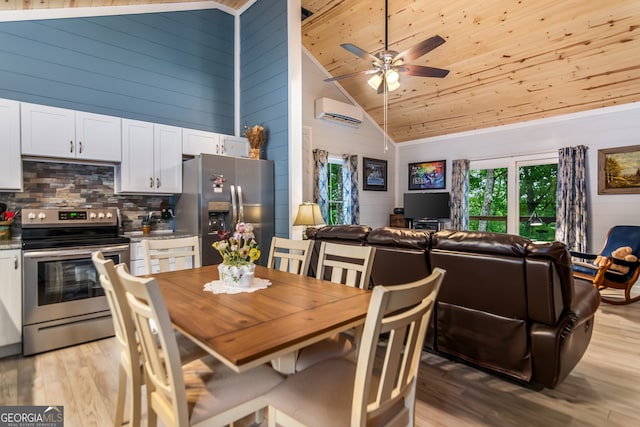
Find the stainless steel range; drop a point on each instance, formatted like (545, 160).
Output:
(63, 302)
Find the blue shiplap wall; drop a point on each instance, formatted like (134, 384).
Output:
(264, 93)
(175, 68)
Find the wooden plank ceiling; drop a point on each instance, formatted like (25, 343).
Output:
(510, 60)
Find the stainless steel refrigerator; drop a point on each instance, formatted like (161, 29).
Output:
(220, 191)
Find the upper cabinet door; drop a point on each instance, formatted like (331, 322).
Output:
(168, 158)
(48, 131)
(136, 172)
(98, 137)
(10, 161)
(235, 146)
(196, 142)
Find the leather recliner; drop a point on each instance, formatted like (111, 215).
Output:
(507, 304)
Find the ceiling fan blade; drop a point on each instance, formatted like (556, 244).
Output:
(420, 49)
(422, 71)
(360, 52)
(346, 76)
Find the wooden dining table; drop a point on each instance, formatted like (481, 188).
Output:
(244, 330)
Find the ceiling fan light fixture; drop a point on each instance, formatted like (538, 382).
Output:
(392, 76)
(375, 81)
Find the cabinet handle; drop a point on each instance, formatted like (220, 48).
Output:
(80, 147)
(71, 146)
(15, 262)
(157, 182)
(151, 182)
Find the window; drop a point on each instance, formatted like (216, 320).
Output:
(336, 180)
(336, 192)
(515, 195)
(488, 200)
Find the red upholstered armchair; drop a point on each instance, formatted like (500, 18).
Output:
(612, 272)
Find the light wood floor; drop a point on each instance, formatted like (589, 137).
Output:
(603, 390)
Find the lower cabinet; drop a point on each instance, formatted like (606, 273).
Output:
(10, 302)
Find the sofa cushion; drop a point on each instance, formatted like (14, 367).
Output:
(399, 238)
(480, 242)
(356, 233)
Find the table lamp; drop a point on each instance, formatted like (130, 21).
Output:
(308, 215)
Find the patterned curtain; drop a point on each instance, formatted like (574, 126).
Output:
(321, 181)
(571, 221)
(350, 205)
(460, 195)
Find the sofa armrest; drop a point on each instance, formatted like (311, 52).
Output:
(557, 349)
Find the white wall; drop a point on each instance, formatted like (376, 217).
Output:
(596, 129)
(338, 139)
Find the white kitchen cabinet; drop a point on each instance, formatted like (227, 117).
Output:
(10, 161)
(151, 158)
(10, 302)
(61, 133)
(196, 142)
(235, 146)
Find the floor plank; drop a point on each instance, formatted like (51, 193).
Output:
(603, 390)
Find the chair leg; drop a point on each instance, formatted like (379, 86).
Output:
(136, 397)
(122, 396)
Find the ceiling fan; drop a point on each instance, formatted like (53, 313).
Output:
(388, 64)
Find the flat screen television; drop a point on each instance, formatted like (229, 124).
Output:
(427, 205)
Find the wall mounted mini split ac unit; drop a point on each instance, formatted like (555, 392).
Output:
(340, 112)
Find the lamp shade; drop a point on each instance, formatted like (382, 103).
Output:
(309, 214)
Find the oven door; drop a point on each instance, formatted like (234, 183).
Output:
(63, 283)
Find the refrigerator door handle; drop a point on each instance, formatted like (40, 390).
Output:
(234, 207)
(240, 205)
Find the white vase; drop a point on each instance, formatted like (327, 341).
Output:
(238, 276)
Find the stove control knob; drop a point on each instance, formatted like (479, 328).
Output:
(42, 215)
(100, 215)
(92, 215)
(32, 215)
(109, 215)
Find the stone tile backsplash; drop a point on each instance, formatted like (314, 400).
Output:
(51, 184)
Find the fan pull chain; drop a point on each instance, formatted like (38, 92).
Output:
(384, 115)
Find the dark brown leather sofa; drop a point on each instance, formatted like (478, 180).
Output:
(507, 304)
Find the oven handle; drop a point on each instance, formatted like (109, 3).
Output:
(63, 253)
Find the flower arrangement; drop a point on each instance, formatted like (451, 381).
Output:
(240, 248)
(256, 136)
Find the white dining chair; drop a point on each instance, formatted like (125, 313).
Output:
(171, 254)
(345, 264)
(129, 357)
(380, 387)
(289, 255)
(349, 265)
(211, 394)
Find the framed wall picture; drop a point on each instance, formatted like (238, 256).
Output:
(427, 175)
(619, 170)
(374, 174)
